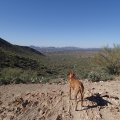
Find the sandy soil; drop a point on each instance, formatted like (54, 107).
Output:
(51, 102)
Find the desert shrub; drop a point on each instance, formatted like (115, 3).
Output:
(45, 80)
(4, 81)
(82, 67)
(15, 75)
(83, 74)
(109, 59)
(9, 75)
(99, 75)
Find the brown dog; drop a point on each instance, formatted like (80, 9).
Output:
(77, 86)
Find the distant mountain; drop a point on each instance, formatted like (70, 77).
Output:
(18, 56)
(63, 49)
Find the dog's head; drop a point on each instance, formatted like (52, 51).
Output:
(71, 74)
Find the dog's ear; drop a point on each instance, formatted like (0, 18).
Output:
(74, 75)
(69, 72)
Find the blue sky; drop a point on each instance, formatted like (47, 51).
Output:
(80, 23)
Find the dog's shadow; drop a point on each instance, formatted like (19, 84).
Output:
(98, 100)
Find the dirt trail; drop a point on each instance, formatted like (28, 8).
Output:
(51, 102)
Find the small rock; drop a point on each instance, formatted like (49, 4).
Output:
(35, 103)
(59, 117)
(1, 102)
(25, 103)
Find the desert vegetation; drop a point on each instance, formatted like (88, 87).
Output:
(26, 65)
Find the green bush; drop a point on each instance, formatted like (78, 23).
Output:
(99, 75)
(4, 81)
(9, 75)
(16, 76)
(83, 74)
(109, 59)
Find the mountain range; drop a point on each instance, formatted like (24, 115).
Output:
(63, 49)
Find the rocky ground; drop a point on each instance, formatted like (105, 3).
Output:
(51, 102)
